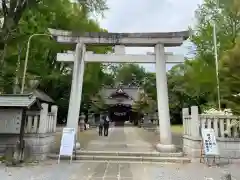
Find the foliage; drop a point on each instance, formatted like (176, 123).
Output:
(98, 104)
(94, 6)
(42, 63)
(130, 74)
(144, 104)
(190, 83)
(194, 82)
(230, 78)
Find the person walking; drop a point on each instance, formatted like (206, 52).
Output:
(106, 125)
(100, 127)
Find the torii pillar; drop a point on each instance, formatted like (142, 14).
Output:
(162, 101)
(76, 89)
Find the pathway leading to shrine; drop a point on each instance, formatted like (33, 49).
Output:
(126, 139)
(120, 139)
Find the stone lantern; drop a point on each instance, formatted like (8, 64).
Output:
(82, 121)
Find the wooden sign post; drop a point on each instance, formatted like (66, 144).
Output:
(67, 143)
(209, 147)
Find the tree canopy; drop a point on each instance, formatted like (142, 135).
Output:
(42, 66)
(190, 83)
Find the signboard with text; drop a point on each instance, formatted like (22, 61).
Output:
(67, 142)
(209, 142)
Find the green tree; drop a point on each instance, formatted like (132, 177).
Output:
(42, 58)
(130, 74)
(230, 77)
(194, 82)
(149, 85)
(15, 12)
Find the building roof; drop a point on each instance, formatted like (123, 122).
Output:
(119, 92)
(17, 100)
(23, 100)
(42, 96)
(131, 92)
(36, 92)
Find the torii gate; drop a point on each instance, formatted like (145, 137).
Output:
(120, 40)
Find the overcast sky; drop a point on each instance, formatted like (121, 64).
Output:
(150, 16)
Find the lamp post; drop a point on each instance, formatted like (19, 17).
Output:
(216, 59)
(26, 58)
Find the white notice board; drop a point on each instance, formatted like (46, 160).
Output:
(209, 142)
(67, 142)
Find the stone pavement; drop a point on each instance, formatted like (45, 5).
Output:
(119, 139)
(122, 139)
(111, 171)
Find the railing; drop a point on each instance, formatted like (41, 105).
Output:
(187, 125)
(32, 122)
(41, 121)
(223, 125)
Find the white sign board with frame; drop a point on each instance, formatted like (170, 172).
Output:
(67, 143)
(209, 142)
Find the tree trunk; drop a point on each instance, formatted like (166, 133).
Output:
(18, 65)
(2, 65)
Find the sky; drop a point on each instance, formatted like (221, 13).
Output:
(150, 16)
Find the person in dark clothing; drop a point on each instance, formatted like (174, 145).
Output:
(106, 125)
(100, 127)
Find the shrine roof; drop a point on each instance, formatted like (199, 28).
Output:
(23, 100)
(119, 92)
(42, 96)
(169, 39)
(130, 91)
(17, 100)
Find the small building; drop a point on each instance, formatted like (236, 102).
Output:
(119, 102)
(30, 117)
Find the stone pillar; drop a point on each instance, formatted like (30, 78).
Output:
(43, 118)
(195, 123)
(82, 122)
(185, 112)
(76, 88)
(162, 100)
(54, 109)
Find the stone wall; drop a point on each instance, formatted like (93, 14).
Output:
(193, 123)
(37, 145)
(39, 136)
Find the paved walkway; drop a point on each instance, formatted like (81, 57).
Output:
(112, 171)
(119, 139)
(122, 139)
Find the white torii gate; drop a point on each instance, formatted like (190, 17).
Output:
(120, 40)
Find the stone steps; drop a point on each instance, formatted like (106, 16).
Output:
(152, 157)
(126, 153)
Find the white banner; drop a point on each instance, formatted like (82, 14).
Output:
(67, 142)
(209, 142)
